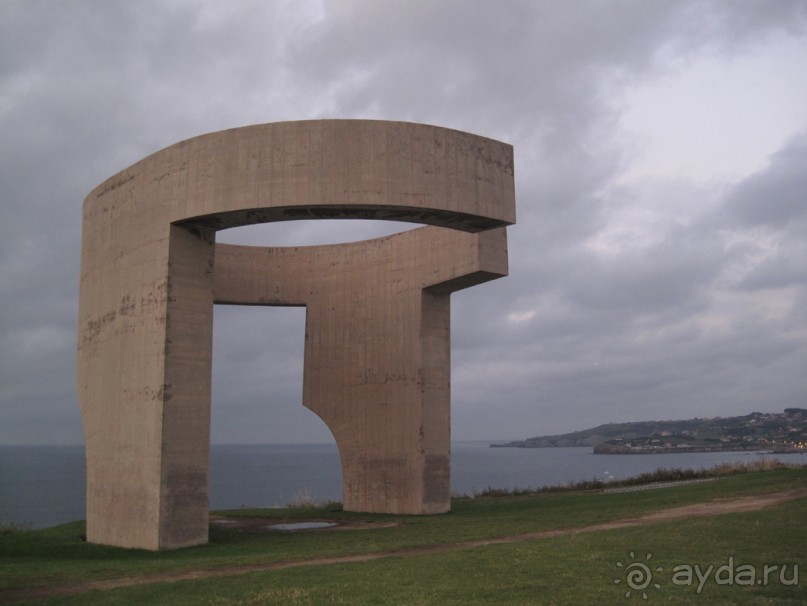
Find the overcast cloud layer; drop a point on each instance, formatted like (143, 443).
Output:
(659, 265)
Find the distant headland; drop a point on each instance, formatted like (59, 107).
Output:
(783, 432)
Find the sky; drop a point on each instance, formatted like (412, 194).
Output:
(658, 267)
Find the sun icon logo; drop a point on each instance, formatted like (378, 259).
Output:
(638, 576)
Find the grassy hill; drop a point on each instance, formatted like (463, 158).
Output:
(779, 432)
(548, 548)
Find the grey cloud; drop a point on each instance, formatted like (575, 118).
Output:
(257, 376)
(770, 209)
(786, 268)
(87, 88)
(775, 196)
(652, 279)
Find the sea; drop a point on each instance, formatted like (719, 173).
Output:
(43, 486)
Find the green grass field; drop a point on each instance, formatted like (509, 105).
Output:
(428, 559)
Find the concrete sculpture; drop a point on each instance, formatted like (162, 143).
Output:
(377, 351)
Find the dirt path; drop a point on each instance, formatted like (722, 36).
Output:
(711, 508)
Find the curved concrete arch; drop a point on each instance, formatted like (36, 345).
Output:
(377, 323)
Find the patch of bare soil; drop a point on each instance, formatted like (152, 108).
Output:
(711, 508)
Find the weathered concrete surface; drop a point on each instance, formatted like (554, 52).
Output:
(377, 348)
(377, 328)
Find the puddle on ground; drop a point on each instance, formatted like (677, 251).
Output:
(302, 526)
(264, 524)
